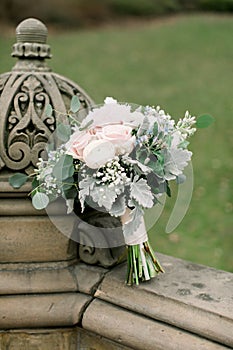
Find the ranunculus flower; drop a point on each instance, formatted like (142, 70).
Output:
(120, 135)
(97, 153)
(77, 143)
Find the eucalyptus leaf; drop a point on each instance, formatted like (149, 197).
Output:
(40, 200)
(48, 110)
(204, 121)
(17, 180)
(63, 132)
(75, 104)
(64, 168)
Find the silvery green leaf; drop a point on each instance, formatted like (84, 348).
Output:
(17, 180)
(104, 196)
(64, 167)
(118, 207)
(75, 104)
(85, 186)
(141, 192)
(175, 161)
(63, 132)
(40, 200)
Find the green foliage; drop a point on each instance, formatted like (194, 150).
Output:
(40, 200)
(204, 121)
(64, 168)
(143, 8)
(63, 132)
(216, 5)
(17, 180)
(75, 104)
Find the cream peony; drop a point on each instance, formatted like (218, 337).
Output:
(97, 153)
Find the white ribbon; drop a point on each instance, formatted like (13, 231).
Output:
(137, 237)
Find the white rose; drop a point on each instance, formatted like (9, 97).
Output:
(97, 153)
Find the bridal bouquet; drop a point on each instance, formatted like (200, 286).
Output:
(121, 158)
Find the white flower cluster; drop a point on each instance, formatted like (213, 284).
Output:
(114, 173)
(185, 125)
(44, 173)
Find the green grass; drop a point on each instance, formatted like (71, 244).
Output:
(181, 63)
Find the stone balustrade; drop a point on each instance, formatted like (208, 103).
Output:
(188, 307)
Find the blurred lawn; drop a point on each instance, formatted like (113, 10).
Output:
(180, 63)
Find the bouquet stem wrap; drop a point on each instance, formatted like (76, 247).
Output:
(142, 262)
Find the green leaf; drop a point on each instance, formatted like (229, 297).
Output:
(17, 180)
(63, 132)
(40, 200)
(75, 104)
(204, 121)
(48, 110)
(141, 192)
(64, 168)
(155, 129)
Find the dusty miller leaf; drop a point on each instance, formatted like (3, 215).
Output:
(141, 192)
(104, 196)
(118, 207)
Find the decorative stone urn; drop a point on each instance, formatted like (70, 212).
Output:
(28, 235)
(35, 257)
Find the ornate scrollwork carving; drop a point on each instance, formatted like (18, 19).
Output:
(100, 238)
(27, 126)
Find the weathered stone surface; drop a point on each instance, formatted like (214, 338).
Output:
(189, 296)
(88, 277)
(45, 310)
(43, 339)
(139, 332)
(92, 341)
(55, 339)
(36, 278)
(34, 239)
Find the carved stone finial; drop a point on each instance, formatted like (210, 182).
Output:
(31, 36)
(25, 92)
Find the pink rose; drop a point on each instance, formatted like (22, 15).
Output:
(78, 141)
(120, 135)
